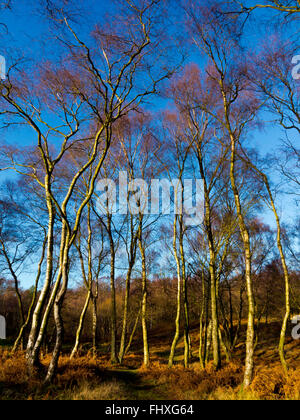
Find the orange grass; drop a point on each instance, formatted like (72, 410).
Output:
(85, 378)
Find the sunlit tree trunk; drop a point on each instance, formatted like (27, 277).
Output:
(33, 346)
(212, 269)
(248, 376)
(80, 325)
(285, 270)
(113, 313)
(125, 314)
(17, 289)
(187, 343)
(94, 329)
(33, 300)
(178, 313)
(286, 279)
(58, 301)
(144, 295)
(132, 258)
(133, 331)
(202, 320)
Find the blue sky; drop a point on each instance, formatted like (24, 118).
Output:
(28, 35)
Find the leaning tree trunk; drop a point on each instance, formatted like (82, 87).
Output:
(286, 280)
(80, 325)
(133, 331)
(285, 271)
(17, 291)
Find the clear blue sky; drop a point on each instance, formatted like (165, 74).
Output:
(28, 35)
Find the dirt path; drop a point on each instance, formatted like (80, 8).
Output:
(135, 385)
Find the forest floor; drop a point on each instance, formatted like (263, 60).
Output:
(84, 378)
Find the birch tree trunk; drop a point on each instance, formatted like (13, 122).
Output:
(133, 331)
(33, 300)
(248, 376)
(94, 330)
(125, 314)
(144, 297)
(285, 270)
(80, 325)
(178, 313)
(58, 301)
(202, 313)
(33, 348)
(185, 296)
(113, 313)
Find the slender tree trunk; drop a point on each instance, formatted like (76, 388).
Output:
(177, 325)
(187, 342)
(58, 343)
(33, 347)
(133, 332)
(144, 299)
(58, 305)
(94, 329)
(144, 315)
(17, 291)
(131, 260)
(80, 325)
(214, 315)
(201, 359)
(212, 265)
(249, 362)
(33, 301)
(285, 271)
(95, 322)
(50, 304)
(125, 314)
(208, 342)
(286, 281)
(178, 313)
(231, 327)
(88, 281)
(248, 376)
(224, 348)
(239, 323)
(113, 325)
(206, 326)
